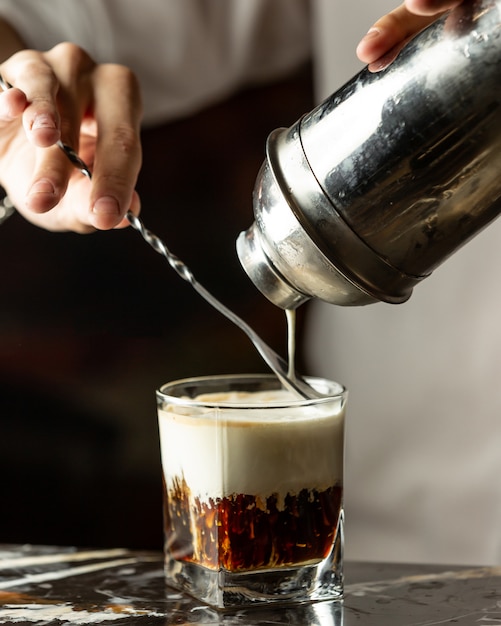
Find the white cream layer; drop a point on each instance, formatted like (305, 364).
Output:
(258, 452)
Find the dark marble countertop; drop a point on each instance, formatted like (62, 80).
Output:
(50, 585)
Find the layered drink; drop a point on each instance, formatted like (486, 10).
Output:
(253, 481)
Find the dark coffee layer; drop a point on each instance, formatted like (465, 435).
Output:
(242, 532)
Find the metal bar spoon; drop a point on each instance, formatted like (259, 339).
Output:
(292, 381)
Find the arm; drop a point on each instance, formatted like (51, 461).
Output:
(96, 109)
(387, 36)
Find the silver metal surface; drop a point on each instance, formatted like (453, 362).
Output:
(367, 194)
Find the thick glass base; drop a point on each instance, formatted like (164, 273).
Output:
(285, 585)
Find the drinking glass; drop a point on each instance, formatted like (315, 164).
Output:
(253, 489)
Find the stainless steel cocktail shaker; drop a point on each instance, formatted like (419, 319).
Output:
(365, 195)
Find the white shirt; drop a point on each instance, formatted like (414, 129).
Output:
(186, 53)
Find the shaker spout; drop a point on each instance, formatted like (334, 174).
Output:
(278, 253)
(264, 274)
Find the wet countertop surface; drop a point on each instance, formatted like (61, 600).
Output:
(51, 585)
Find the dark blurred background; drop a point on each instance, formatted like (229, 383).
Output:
(91, 325)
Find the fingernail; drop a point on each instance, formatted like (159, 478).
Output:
(372, 33)
(107, 205)
(379, 65)
(42, 186)
(43, 121)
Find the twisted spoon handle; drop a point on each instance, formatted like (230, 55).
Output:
(276, 363)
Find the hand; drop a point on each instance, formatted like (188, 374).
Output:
(390, 33)
(96, 109)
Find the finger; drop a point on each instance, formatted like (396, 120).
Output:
(67, 214)
(12, 104)
(27, 71)
(50, 179)
(117, 110)
(430, 7)
(53, 169)
(391, 30)
(73, 68)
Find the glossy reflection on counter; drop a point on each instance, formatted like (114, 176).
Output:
(49, 585)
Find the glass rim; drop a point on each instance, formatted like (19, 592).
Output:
(338, 392)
